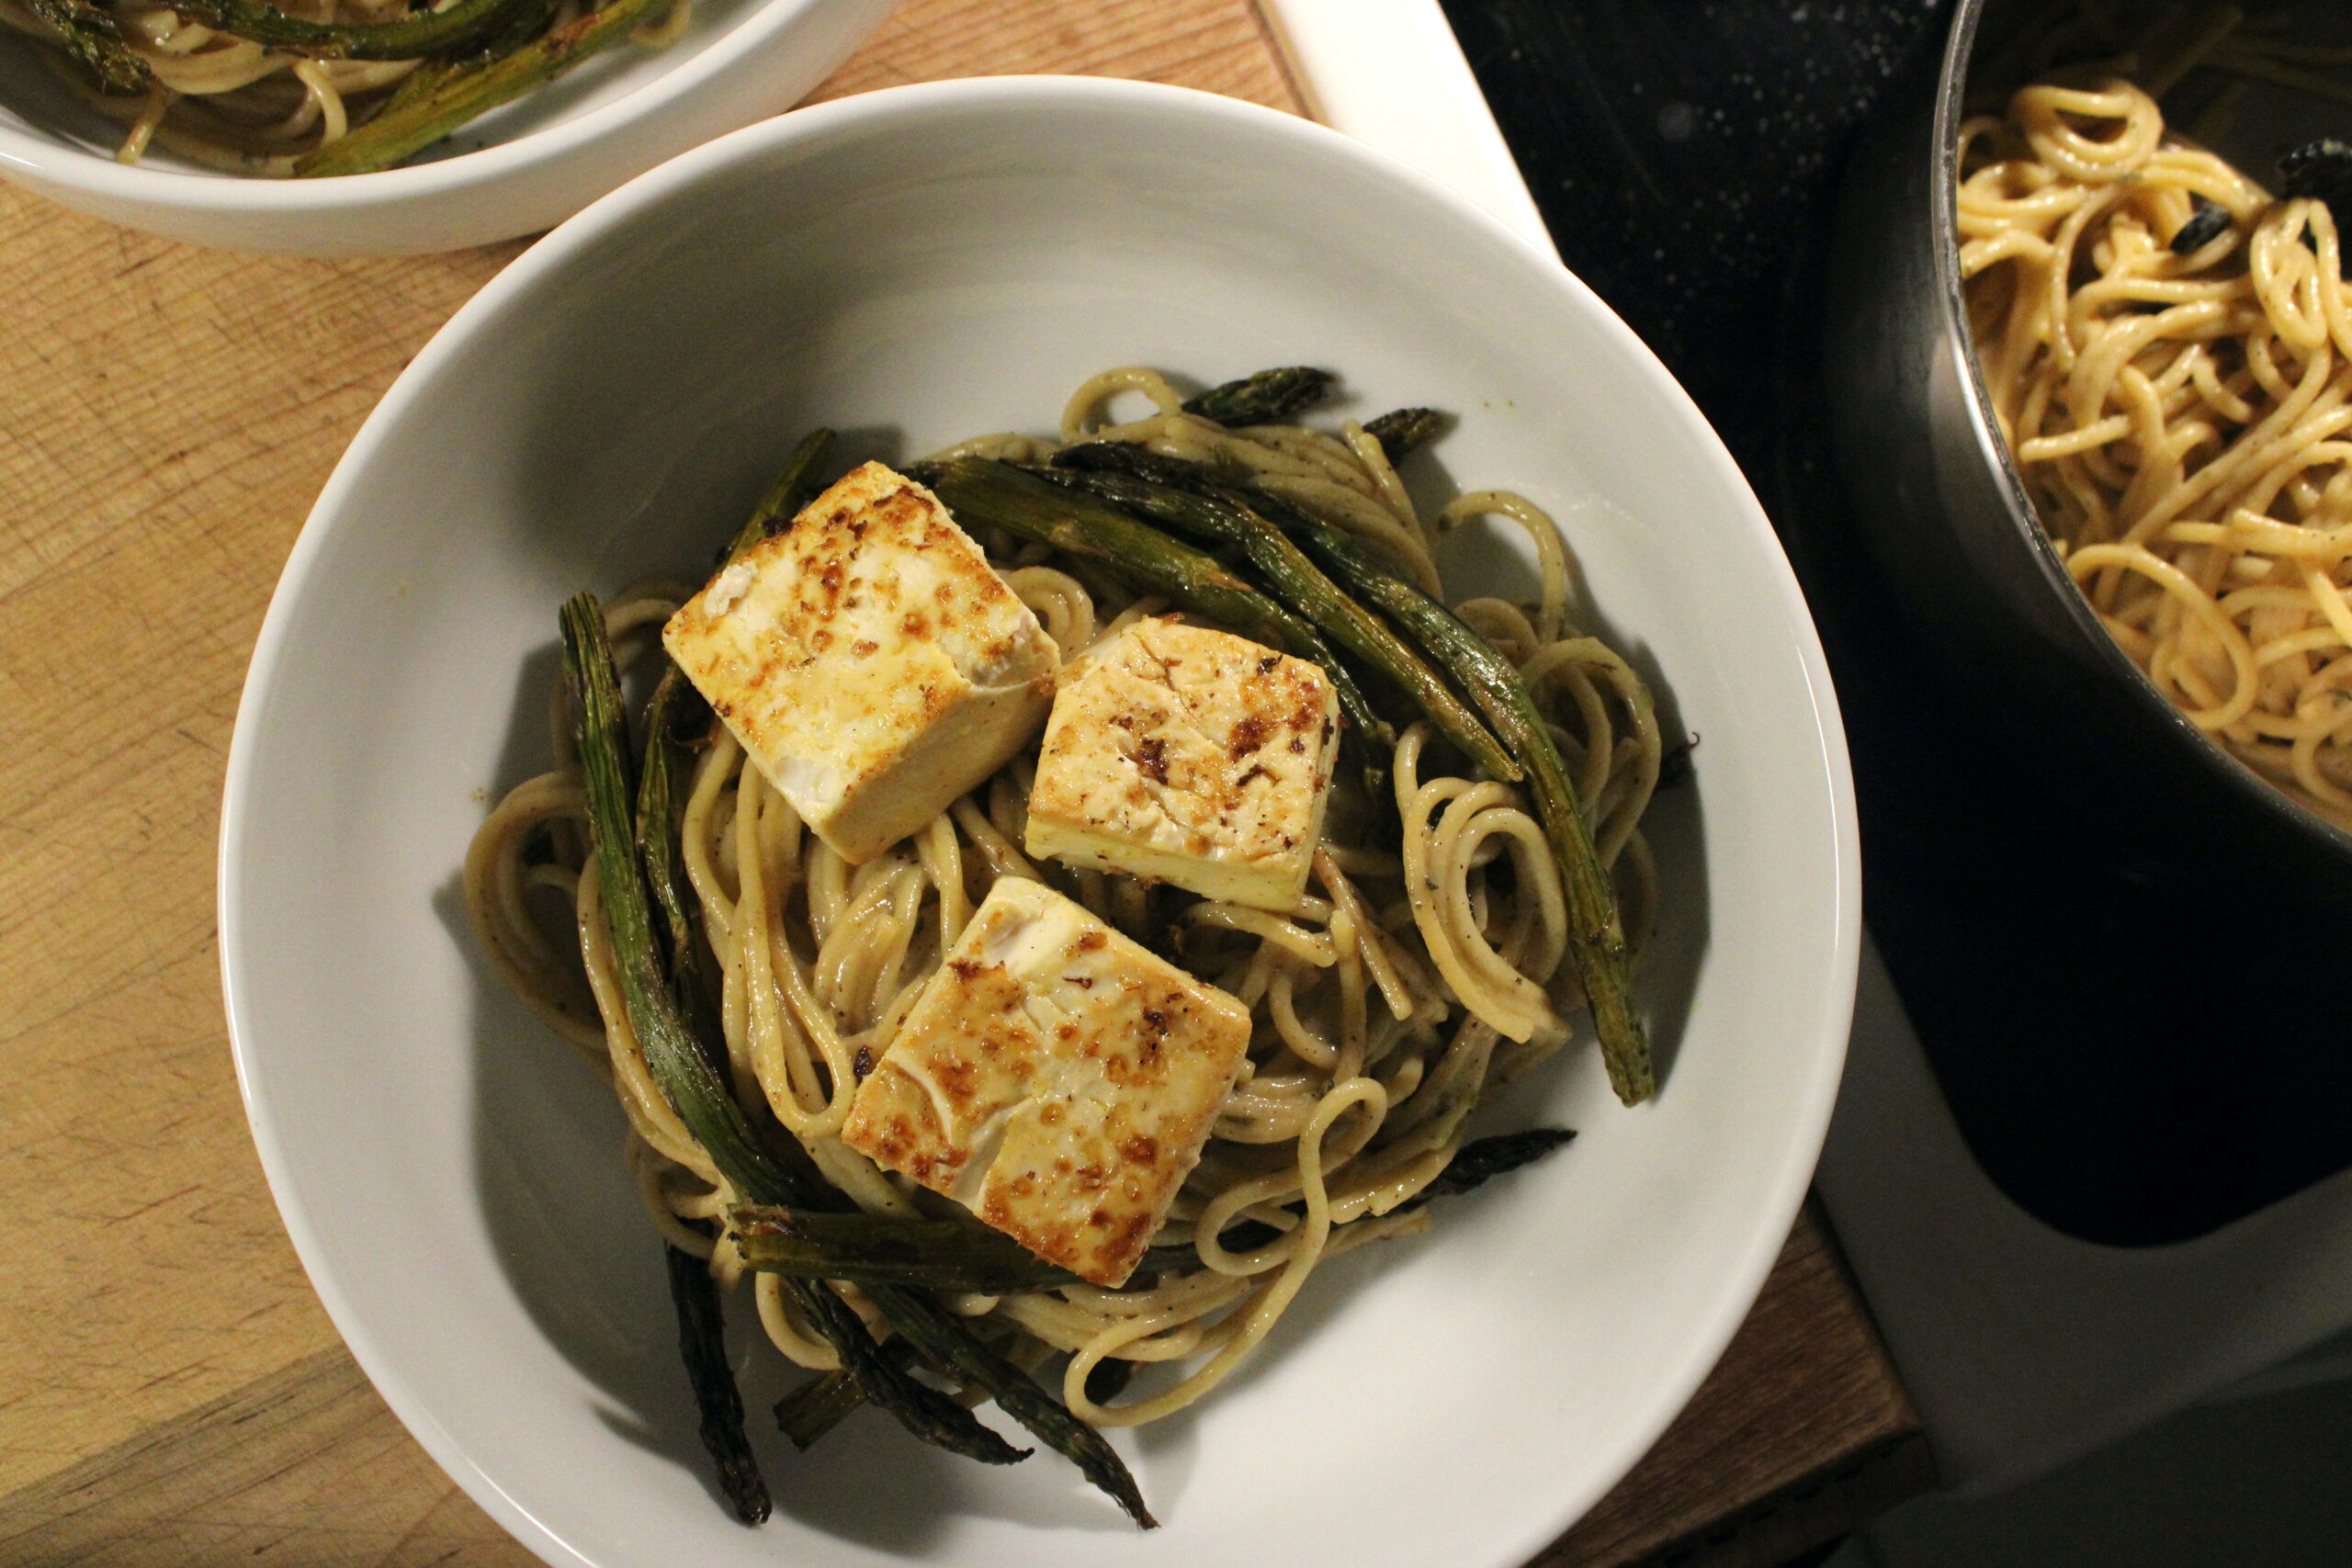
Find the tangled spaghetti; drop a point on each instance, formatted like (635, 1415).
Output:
(2177, 399)
(1425, 962)
(235, 93)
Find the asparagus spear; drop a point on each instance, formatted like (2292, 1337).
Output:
(1595, 935)
(702, 1340)
(420, 84)
(688, 1077)
(1477, 1163)
(816, 1407)
(1404, 431)
(1266, 397)
(947, 1343)
(522, 25)
(88, 34)
(982, 492)
(884, 1379)
(943, 1339)
(940, 1254)
(418, 33)
(464, 94)
(677, 1060)
(1132, 477)
(795, 485)
(657, 845)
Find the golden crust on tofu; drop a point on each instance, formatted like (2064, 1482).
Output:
(1189, 756)
(1056, 1078)
(869, 660)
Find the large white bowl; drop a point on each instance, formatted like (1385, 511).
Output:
(910, 267)
(523, 167)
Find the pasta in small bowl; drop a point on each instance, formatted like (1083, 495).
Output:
(355, 127)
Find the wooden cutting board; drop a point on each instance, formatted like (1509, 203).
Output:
(170, 1391)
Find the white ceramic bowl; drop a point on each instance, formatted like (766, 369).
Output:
(910, 267)
(523, 167)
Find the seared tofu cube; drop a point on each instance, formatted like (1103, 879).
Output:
(1189, 756)
(1056, 1078)
(871, 663)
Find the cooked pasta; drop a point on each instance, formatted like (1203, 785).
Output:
(1425, 962)
(262, 88)
(2169, 352)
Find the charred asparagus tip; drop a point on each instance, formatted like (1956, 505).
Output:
(702, 1341)
(795, 485)
(1266, 397)
(1403, 432)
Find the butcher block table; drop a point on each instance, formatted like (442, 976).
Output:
(171, 1394)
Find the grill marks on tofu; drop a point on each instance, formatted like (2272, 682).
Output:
(845, 582)
(1056, 1078)
(869, 660)
(1189, 756)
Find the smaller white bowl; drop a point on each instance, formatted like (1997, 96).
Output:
(523, 167)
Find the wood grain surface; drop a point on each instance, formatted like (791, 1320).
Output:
(170, 1391)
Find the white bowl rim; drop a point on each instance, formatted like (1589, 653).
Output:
(1785, 1187)
(64, 165)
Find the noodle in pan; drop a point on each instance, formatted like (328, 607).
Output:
(2169, 352)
